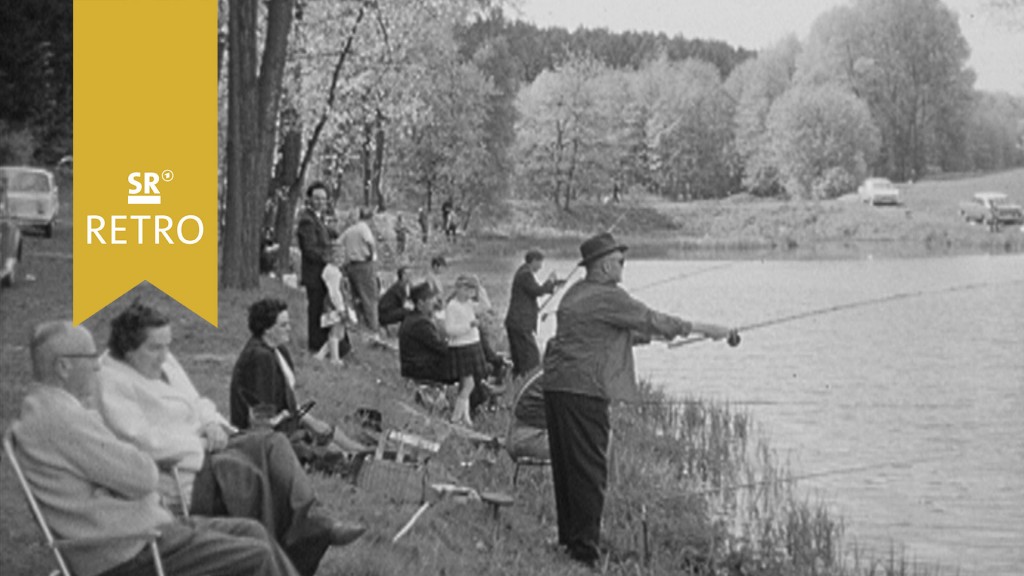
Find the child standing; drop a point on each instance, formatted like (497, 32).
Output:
(465, 356)
(336, 316)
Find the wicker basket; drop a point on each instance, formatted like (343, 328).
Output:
(400, 474)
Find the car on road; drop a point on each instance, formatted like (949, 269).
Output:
(32, 198)
(877, 191)
(992, 209)
(10, 244)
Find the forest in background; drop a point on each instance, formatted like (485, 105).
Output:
(403, 103)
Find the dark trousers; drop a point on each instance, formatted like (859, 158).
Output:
(258, 476)
(522, 346)
(578, 428)
(211, 547)
(362, 278)
(316, 291)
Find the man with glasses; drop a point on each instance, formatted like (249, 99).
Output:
(90, 484)
(587, 365)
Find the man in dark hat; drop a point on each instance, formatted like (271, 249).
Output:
(521, 320)
(588, 364)
(422, 349)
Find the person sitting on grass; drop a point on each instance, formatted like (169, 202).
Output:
(395, 303)
(422, 348)
(263, 380)
(92, 485)
(147, 399)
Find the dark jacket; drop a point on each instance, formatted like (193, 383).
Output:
(522, 305)
(391, 307)
(258, 379)
(315, 245)
(422, 349)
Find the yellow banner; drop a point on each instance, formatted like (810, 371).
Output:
(145, 147)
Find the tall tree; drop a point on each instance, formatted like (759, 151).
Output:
(822, 139)
(252, 118)
(754, 86)
(907, 60)
(690, 132)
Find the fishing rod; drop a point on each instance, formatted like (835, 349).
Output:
(578, 267)
(841, 307)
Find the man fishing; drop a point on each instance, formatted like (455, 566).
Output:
(588, 364)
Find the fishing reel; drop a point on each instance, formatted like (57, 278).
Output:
(733, 339)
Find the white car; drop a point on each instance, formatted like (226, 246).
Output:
(32, 198)
(877, 191)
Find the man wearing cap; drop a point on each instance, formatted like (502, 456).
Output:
(359, 250)
(521, 320)
(587, 365)
(422, 349)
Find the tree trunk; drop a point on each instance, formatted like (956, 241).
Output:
(252, 115)
(378, 160)
(290, 178)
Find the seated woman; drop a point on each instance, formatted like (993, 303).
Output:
(147, 399)
(422, 349)
(264, 379)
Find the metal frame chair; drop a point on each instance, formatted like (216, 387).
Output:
(56, 545)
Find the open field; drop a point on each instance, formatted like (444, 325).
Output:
(674, 505)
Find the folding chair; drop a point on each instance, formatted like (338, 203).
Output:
(56, 545)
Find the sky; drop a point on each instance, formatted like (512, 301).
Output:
(996, 40)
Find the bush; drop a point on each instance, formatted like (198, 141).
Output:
(16, 146)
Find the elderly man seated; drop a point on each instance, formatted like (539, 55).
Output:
(90, 484)
(147, 399)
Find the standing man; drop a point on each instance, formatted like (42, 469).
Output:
(315, 244)
(521, 320)
(359, 250)
(424, 221)
(588, 364)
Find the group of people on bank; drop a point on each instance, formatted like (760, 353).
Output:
(120, 441)
(116, 441)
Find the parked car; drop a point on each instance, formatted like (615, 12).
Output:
(10, 243)
(32, 199)
(991, 208)
(877, 191)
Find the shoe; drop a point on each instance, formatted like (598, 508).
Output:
(343, 532)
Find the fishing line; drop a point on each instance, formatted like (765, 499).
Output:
(833, 472)
(847, 306)
(682, 276)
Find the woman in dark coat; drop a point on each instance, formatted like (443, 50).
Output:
(263, 382)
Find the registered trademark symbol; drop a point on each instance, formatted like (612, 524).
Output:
(167, 175)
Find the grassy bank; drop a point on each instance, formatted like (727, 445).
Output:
(694, 488)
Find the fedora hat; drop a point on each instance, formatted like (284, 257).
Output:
(598, 246)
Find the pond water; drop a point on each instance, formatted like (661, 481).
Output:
(910, 408)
